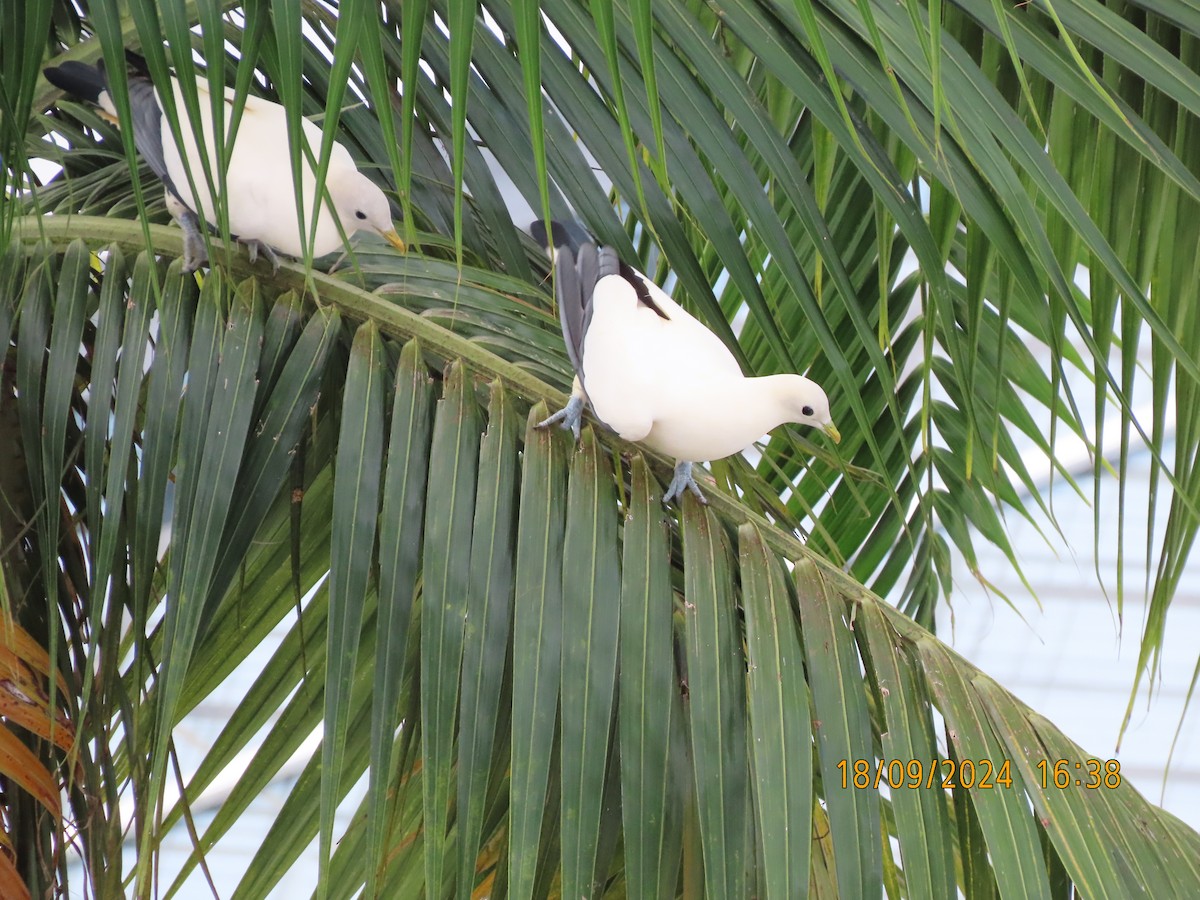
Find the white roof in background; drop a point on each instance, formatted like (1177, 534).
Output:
(1070, 659)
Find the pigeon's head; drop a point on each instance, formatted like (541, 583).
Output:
(362, 206)
(808, 405)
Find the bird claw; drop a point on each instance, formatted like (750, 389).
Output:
(255, 246)
(571, 417)
(683, 480)
(195, 254)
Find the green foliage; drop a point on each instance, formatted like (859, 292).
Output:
(556, 685)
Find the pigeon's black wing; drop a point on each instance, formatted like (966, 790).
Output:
(147, 127)
(575, 280)
(91, 83)
(579, 265)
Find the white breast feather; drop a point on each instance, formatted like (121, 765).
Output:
(259, 184)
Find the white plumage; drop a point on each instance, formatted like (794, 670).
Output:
(259, 191)
(653, 373)
(258, 182)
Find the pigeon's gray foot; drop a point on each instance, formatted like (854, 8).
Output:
(571, 417)
(195, 254)
(255, 246)
(683, 480)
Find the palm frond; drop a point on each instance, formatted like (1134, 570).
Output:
(912, 204)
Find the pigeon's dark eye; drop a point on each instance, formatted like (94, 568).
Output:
(808, 410)
(359, 214)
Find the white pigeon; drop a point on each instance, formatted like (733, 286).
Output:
(259, 190)
(653, 373)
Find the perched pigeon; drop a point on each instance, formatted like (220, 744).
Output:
(653, 373)
(259, 191)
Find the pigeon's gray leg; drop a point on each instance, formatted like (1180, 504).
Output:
(683, 479)
(571, 416)
(255, 246)
(195, 254)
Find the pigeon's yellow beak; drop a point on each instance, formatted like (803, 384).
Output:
(832, 431)
(394, 239)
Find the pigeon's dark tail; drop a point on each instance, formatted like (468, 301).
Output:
(78, 79)
(563, 234)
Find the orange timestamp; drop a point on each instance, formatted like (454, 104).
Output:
(975, 774)
(915, 773)
(1085, 773)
